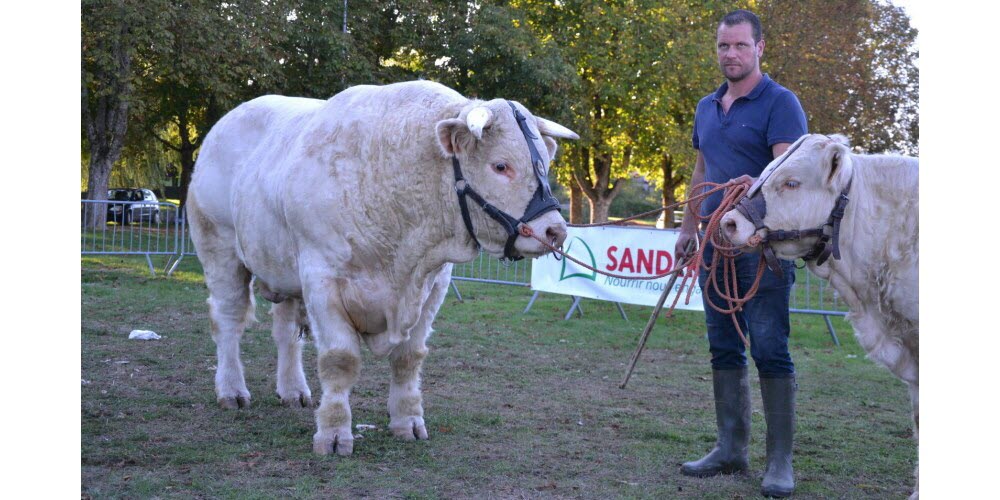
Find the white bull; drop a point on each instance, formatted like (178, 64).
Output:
(877, 273)
(344, 212)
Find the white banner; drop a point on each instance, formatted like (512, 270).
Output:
(629, 251)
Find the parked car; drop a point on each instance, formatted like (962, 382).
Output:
(139, 205)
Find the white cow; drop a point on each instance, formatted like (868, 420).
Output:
(877, 272)
(344, 212)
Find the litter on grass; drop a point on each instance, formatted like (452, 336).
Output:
(143, 335)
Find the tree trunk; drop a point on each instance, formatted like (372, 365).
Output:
(186, 152)
(667, 191)
(599, 209)
(187, 170)
(575, 203)
(105, 119)
(98, 174)
(597, 191)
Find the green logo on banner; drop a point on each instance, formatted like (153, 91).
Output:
(590, 275)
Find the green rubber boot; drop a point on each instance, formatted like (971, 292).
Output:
(732, 419)
(779, 413)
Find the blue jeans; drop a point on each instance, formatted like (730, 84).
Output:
(764, 319)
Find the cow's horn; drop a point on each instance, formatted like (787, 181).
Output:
(553, 129)
(478, 119)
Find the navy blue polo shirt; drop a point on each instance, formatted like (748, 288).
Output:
(739, 142)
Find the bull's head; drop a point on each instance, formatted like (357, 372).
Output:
(502, 166)
(796, 204)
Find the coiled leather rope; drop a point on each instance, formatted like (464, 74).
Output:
(723, 257)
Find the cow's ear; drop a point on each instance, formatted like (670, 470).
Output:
(454, 136)
(839, 163)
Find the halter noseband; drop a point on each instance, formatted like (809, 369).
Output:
(542, 201)
(754, 208)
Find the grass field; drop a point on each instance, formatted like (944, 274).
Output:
(517, 406)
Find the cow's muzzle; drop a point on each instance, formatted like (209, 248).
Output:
(754, 209)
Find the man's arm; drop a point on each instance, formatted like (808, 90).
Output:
(779, 149)
(689, 225)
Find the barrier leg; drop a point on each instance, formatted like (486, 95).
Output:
(575, 307)
(457, 293)
(530, 302)
(833, 334)
(174, 267)
(621, 311)
(149, 262)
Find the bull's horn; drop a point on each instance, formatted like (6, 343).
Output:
(478, 119)
(553, 129)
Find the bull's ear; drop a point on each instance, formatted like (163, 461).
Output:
(551, 145)
(454, 136)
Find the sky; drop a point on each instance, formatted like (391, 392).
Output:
(913, 9)
(958, 174)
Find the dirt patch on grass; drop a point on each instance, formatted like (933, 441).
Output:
(517, 406)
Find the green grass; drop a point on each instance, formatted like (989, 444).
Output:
(516, 405)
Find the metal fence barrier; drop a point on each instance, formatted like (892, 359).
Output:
(809, 295)
(133, 228)
(147, 229)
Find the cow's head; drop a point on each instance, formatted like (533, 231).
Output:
(494, 155)
(797, 193)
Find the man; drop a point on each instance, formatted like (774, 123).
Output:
(738, 130)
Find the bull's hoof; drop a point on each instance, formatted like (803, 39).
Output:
(341, 442)
(234, 402)
(297, 401)
(408, 428)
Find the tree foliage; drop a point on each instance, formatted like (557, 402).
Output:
(641, 69)
(625, 74)
(856, 75)
(112, 36)
(213, 55)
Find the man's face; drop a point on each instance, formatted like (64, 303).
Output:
(738, 55)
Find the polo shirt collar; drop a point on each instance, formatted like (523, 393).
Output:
(757, 90)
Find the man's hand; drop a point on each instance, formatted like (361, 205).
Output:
(745, 179)
(687, 243)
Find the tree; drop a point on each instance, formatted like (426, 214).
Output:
(641, 71)
(112, 34)
(143, 162)
(856, 76)
(884, 114)
(213, 56)
(625, 74)
(319, 57)
(664, 155)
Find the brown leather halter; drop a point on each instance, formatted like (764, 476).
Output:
(754, 208)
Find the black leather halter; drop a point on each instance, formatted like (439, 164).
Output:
(542, 201)
(754, 208)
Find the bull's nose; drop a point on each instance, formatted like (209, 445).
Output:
(556, 234)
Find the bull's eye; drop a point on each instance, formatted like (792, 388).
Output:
(791, 184)
(500, 167)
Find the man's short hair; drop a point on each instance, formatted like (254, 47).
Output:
(745, 16)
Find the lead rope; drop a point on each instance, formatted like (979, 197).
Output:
(724, 255)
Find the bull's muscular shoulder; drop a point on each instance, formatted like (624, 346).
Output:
(421, 88)
(271, 110)
(365, 98)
